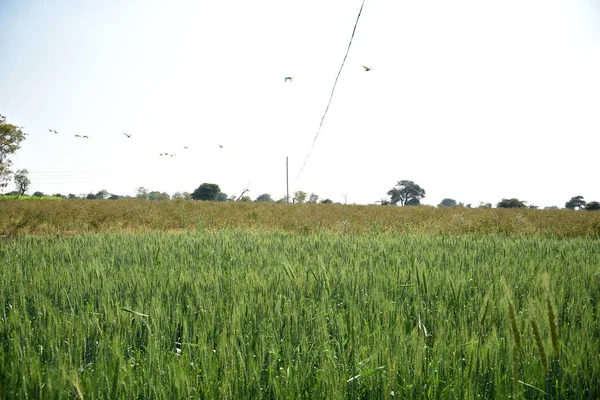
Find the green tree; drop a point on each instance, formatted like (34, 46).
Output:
(206, 192)
(407, 193)
(327, 201)
(72, 196)
(221, 197)
(447, 203)
(90, 196)
(141, 193)
(177, 195)
(102, 194)
(264, 198)
(22, 181)
(592, 206)
(576, 203)
(299, 197)
(156, 195)
(38, 194)
(11, 137)
(511, 203)
(313, 198)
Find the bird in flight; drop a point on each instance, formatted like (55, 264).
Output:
(161, 154)
(367, 69)
(220, 146)
(85, 137)
(288, 78)
(128, 136)
(77, 136)
(185, 147)
(172, 155)
(52, 130)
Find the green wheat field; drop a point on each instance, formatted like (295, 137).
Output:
(179, 299)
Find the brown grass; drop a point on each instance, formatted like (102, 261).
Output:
(92, 216)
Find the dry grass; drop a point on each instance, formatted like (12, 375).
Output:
(95, 216)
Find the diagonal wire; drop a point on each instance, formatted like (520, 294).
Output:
(332, 90)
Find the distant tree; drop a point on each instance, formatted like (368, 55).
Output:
(221, 197)
(156, 195)
(11, 137)
(511, 203)
(484, 205)
(551, 208)
(141, 193)
(114, 197)
(91, 196)
(206, 192)
(283, 200)
(264, 198)
(407, 193)
(576, 203)
(447, 203)
(245, 199)
(177, 195)
(72, 196)
(592, 206)
(187, 195)
(313, 198)
(59, 195)
(38, 194)
(533, 207)
(102, 195)
(327, 201)
(299, 197)
(22, 181)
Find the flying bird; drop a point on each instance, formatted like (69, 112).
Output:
(185, 147)
(172, 155)
(53, 130)
(128, 136)
(367, 69)
(77, 136)
(85, 137)
(288, 78)
(220, 146)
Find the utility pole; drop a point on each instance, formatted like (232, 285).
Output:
(287, 182)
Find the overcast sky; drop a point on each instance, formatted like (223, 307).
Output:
(473, 100)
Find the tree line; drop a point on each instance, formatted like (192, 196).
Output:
(404, 193)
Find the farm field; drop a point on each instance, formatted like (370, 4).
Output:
(219, 307)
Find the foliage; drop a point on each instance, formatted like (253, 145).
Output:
(155, 195)
(141, 193)
(206, 192)
(89, 216)
(38, 194)
(327, 201)
(222, 197)
(313, 198)
(406, 193)
(264, 198)
(299, 197)
(447, 203)
(22, 181)
(511, 203)
(576, 203)
(592, 206)
(11, 137)
(247, 314)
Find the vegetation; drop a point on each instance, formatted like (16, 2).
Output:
(407, 193)
(94, 216)
(206, 192)
(11, 137)
(242, 313)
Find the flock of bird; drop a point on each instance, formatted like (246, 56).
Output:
(128, 137)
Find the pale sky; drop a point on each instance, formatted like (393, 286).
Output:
(473, 100)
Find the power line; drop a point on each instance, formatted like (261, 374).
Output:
(333, 89)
